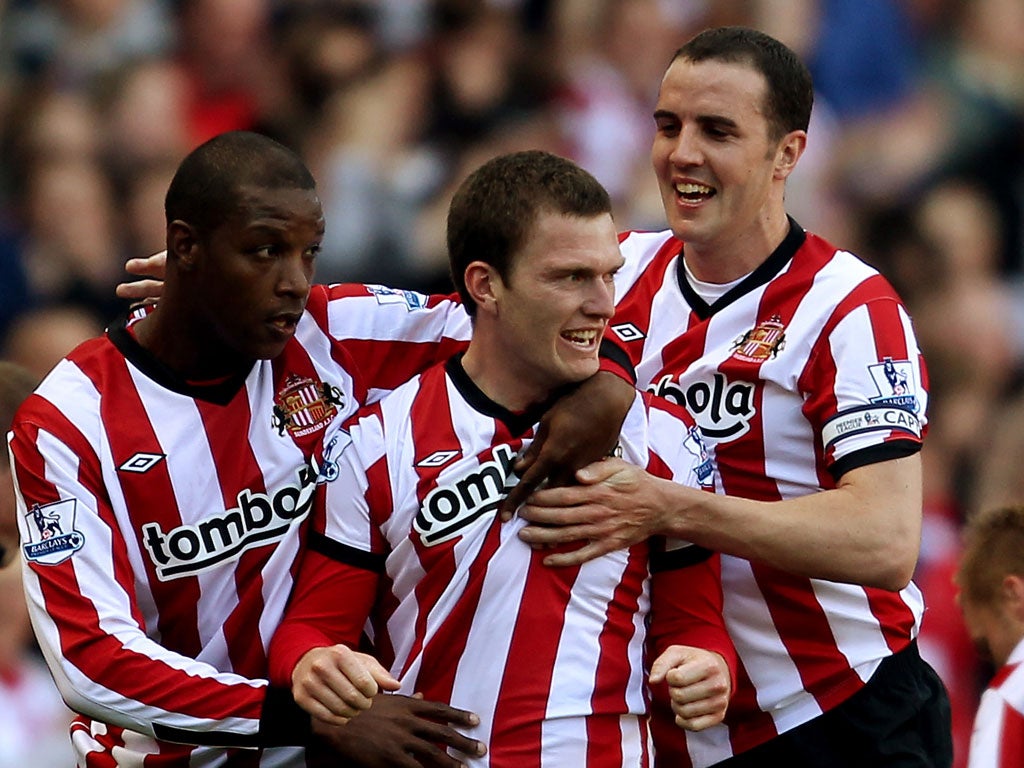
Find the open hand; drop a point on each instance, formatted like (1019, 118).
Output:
(401, 732)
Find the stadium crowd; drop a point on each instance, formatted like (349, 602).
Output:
(915, 161)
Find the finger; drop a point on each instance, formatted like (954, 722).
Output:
(139, 290)
(148, 266)
(528, 483)
(443, 713)
(320, 712)
(439, 734)
(579, 556)
(556, 504)
(430, 755)
(332, 697)
(661, 666)
(362, 671)
(602, 471)
(698, 723)
(541, 536)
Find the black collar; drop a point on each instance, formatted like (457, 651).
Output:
(517, 423)
(220, 393)
(768, 269)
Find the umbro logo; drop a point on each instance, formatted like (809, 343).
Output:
(437, 459)
(141, 463)
(628, 332)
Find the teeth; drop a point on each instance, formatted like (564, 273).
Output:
(580, 337)
(693, 189)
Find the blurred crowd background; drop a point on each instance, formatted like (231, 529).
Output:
(915, 162)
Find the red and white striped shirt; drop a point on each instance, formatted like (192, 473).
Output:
(161, 522)
(804, 370)
(998, 737)
(552, 660)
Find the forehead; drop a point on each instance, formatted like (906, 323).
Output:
(712, 87)
(561, 241)
(275, 207)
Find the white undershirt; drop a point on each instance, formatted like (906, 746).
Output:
(710, 292)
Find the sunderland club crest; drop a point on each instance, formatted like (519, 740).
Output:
(51, 532)
(764, 341)
(304, 406)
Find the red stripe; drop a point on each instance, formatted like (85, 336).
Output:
(83, 643)
(521, 706)
(237, 469)
(150, 496)
(1011, 742)
(432, 430)
(613, 667)
(748, 724)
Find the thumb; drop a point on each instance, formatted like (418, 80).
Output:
(601, 471)
(383, 677)
(671, 658)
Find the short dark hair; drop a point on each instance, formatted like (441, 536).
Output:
(205, 187)
(790, 90)
(495, 208)
(993, 549)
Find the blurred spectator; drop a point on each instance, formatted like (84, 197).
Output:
(38, 340)
(917, 160)
(34, 726)
(16, 383)
(991, 581)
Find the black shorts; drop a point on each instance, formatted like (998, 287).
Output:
(900, 719)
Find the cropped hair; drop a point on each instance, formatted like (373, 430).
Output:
(790, 90)
(494, 210)
(993, 549)
(205, 187)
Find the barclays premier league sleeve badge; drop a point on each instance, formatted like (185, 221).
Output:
(52, 535)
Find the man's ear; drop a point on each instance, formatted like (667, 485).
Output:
(484, 284)
(1013, 594)
(182, 244)
(788, 153)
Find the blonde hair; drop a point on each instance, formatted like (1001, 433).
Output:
(993, 549)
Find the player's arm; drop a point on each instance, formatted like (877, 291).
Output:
(79, 582)
(313, 649)
(312, 652)
(865, 530)
(694, 671)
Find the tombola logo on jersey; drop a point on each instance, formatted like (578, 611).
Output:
(449, 508)
(721, 408)
(259, 519)
(304, 406)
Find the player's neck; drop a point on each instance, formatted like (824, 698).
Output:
(488, 366)
(185, 347)
(735, 254)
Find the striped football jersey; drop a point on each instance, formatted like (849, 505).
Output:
(805, 369)
(551, 659)
(998, 737)
(161, 522)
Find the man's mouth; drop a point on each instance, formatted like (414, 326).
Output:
(286, 321)
(582, 338)
(692, 192)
